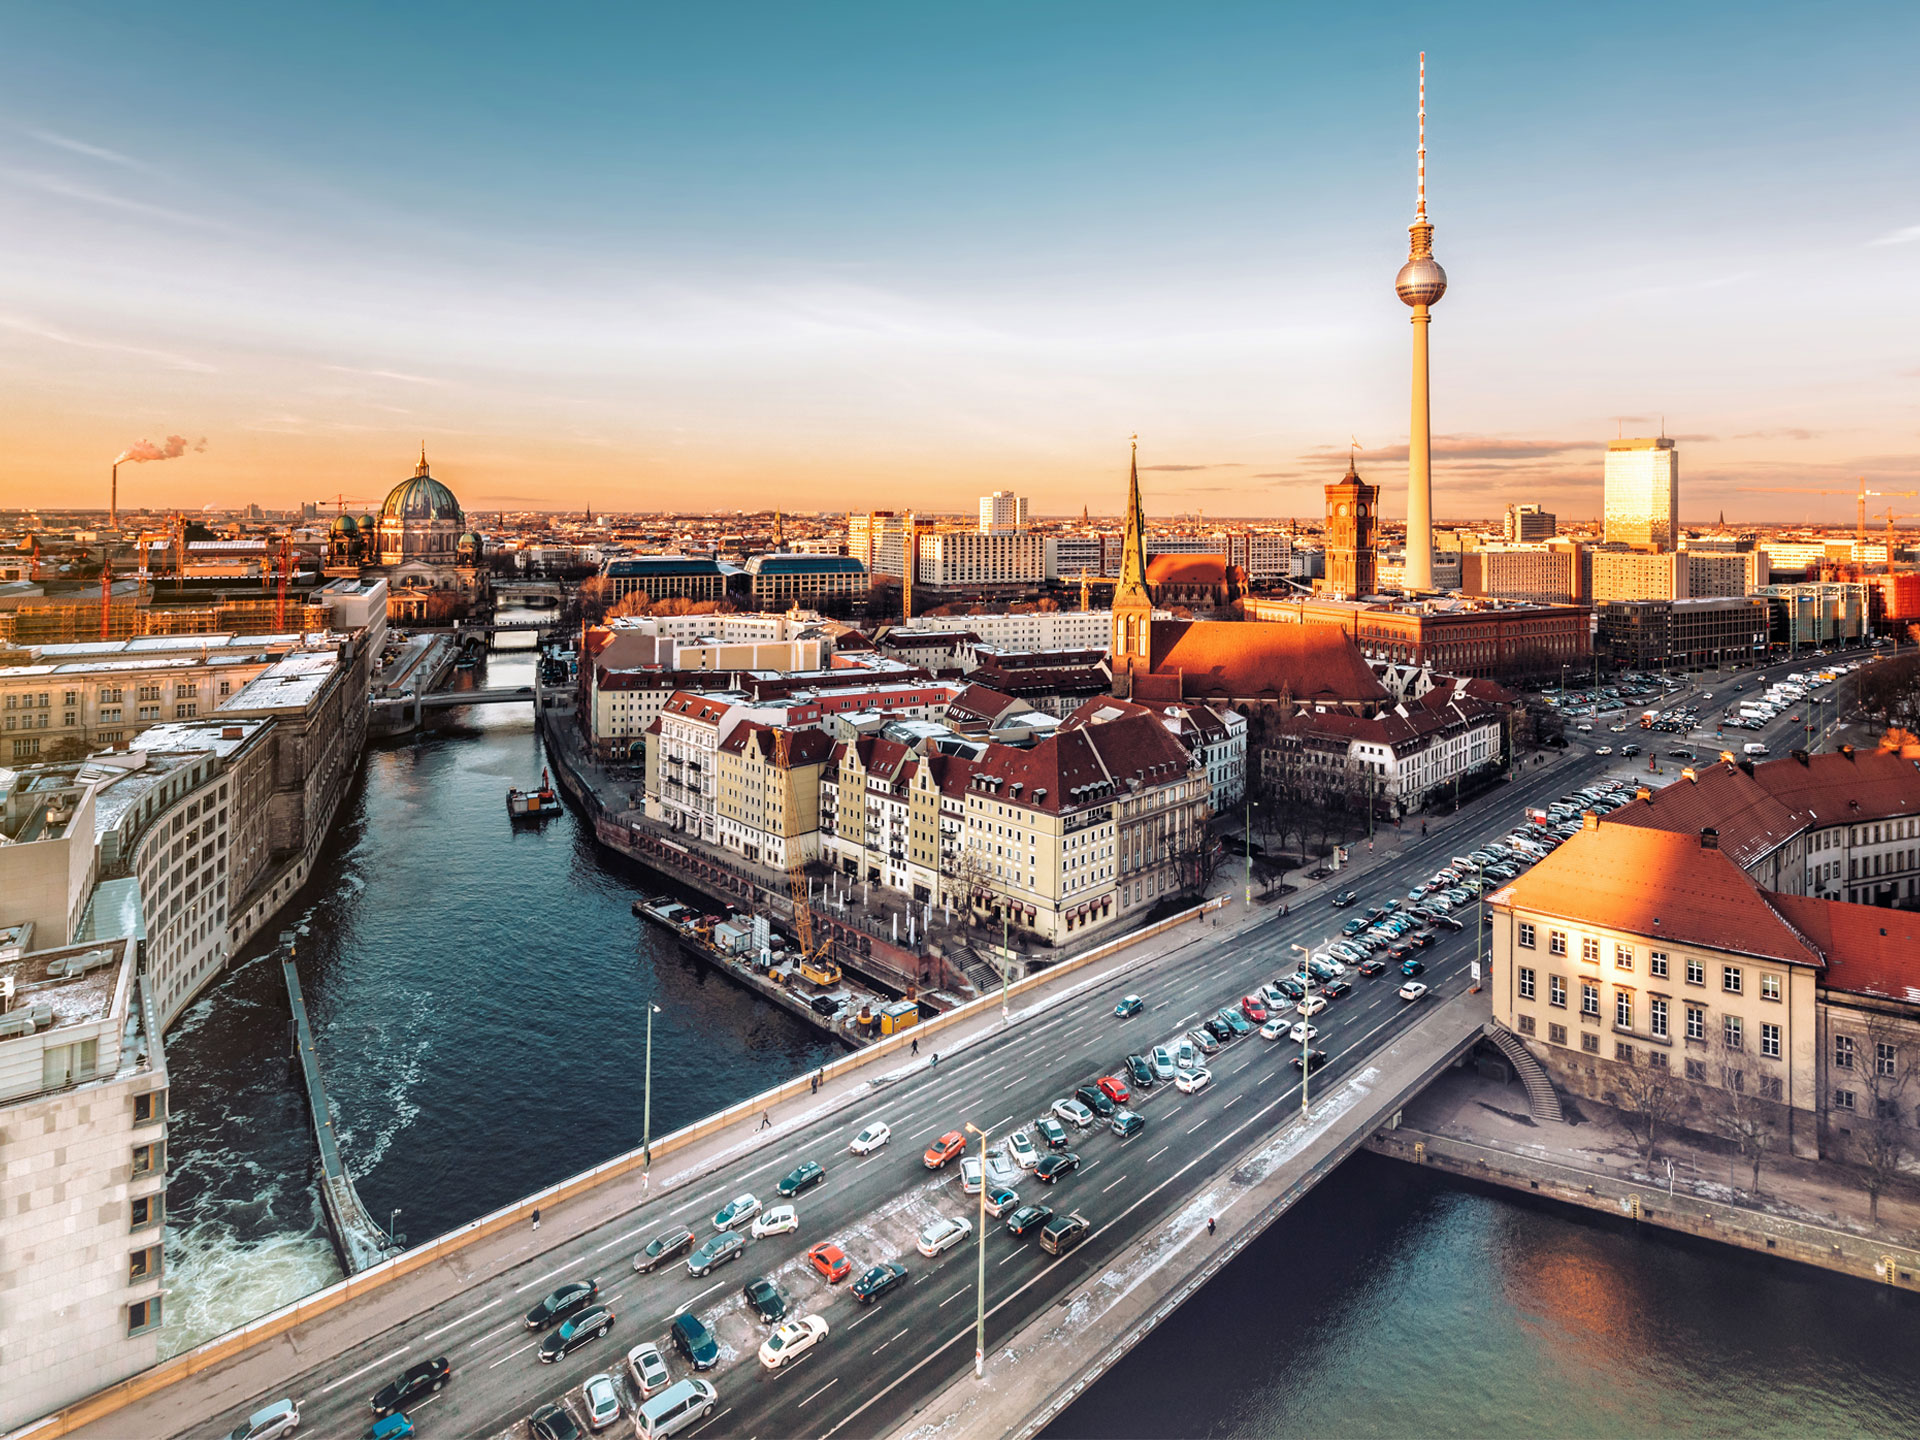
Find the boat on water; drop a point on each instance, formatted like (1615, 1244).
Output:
(533, 804)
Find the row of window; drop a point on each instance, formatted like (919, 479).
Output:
(1732, 977)
(1733, 1027)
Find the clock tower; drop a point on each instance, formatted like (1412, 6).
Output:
(1353, 509)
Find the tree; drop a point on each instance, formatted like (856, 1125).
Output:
(1880, 1135)
(1649, 1104)
(1735, 1110)
(67, 749)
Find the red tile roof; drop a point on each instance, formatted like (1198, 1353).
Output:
(1263, 660)
(1658, 883)
(1187, 570)
(1752, 822)
(1870, 950)
(1845, 787)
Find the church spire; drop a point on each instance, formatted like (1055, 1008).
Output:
(1133, 558)
(422, 468)
(1131, 640)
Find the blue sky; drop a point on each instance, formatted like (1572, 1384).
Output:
(861, 255)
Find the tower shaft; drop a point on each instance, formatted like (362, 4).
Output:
(1419, 566)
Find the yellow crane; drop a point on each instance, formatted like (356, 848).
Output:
(815, 966)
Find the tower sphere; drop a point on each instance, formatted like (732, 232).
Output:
(1421, 281)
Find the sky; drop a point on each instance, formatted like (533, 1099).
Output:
(851, 256)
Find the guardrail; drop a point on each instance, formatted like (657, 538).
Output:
(289, 1317)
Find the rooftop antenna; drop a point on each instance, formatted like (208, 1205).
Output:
(1420, 208)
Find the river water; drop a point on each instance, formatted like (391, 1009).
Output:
(479, 996)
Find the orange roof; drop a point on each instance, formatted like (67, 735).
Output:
(1260, 660)
(1845, 786)
(1658, 883)
(1728, 798)
(1187, 570)
(1870, 950)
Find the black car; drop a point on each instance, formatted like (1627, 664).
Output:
(1291, 987)
(1449, 922)
(1054, 1166)
(1413, 967)
(1315, 1059)
(1096, 1100)
(423, 1379)
(1140, 1072)
(877, 1281)
(562, 1303)
(1218, 1028)
(1027, 1217)
(803, 1176)
(667, 1245)
(1334, 989)
(589, 1324)
(1422, 938)
(693, 1340)
(553, 1422)
(1344, 899)
(764, 1296)
(1372, 966)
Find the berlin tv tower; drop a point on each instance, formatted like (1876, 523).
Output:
(1421, 283)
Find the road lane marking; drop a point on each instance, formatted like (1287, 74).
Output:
(868, 1314)
(816, 1394)
(703, 1425)
(1011, 1083)
(703, 1295)
(1116, 1181)
(464, 1319)
(1158, 1153)
(544, 1278)
(511, 1353)
(1233, 1102)
(955, 1295)
(1011, 1255)
(888, 1341)
(373, 1365)
(1173, 1112)
(472, 1344)
(1198, 1123)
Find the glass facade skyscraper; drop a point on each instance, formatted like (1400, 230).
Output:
(1643, 493)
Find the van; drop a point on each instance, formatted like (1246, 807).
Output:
(681, 1404)
(1755, 748)
(1063, 1232)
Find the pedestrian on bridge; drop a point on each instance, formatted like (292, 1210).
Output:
(536, 1219)
(916, 1045)
(766, 1120)
(1210, 1225)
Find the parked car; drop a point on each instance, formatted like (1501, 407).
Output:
(949, 1145)
(945, 1233)
(1020, 1147)
(670, 1243)
(1204, 1042)
(1163, 1063)
(600, 1398)
(1115, 1089)
(764, 1299)
(562, 1303)
(694, 1340)
(1140, 1070)
(1216, 1027)
(1074, 1113)
(1192, 1081)
(1054, 1166)
(1028, 1217)
(1234, 1021)
(1095, 1099)
(791, 1339)
(590, 1324)
(553, 1422)
(718, 1251)
(1254, 1009)
(780, 1220)
(1052, 1131)
(876, 1282)
(870, 1139)
(648, 1368)
(803, 1176)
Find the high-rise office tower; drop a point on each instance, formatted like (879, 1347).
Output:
(1003, 513)
(1529, 523)
(1421, 283)
(1643, 493)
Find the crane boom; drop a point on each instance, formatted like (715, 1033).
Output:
(815, 967)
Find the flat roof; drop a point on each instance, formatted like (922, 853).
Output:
(287, 684)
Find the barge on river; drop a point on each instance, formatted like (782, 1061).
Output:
(533, 804)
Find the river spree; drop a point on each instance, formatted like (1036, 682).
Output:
(479, 996)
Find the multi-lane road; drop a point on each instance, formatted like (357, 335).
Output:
(876, 1363)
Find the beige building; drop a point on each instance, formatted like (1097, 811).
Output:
(977, 560)
(767, 812)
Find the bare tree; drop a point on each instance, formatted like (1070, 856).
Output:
(1734, 1107)
(1649, 1102)
(1880, 1135)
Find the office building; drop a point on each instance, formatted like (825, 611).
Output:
(1546, 574)
(981, 560)
(1529, 523)
(1642, 504)
(1687, 634)
(1003, 513)
(777, 581)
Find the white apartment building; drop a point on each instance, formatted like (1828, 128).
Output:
(964, 559)
(1003, 513)
(1055, 630)
(687, 765)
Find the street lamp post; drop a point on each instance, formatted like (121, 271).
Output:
(392, 1216)
(980, 1280)
(646, 1109)
(1306, 1026)
(1249, 846)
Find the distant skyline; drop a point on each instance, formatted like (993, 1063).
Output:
(862, 257)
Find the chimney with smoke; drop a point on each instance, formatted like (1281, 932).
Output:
(139, 454)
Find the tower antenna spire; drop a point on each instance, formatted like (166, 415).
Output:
(1420, 209)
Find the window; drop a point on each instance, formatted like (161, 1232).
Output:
(1769, 1040)
(1556, 991)
(1526, 1024)
(1696, 1070)
(1886, 1109)
(149, 1107)
(1657, 1017)
(1843, 1052)
(1557, 1034)
(145, 1211)
(1590, 950)
(1733, 1030)
(1736, 1080)
(1526, 983)
(143, 1315)
(1589, 998)
(1696, 973)
(1657, 964)
(1883, 1058)
(148, 1158)
(68, 1064)
(1623, 1009)
(1623, 1053)
(1556, 942)
(1843, 1099)
(1769, 987)
(1526, 935)
(25, 749)
(1696, 1023)
(1590, 1043)
(1772, 1088)
(1730, 979)
(143, 1264)
(1623, 957)
(1657, 1059)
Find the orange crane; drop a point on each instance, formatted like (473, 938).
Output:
(1860, 500)
(815, 966)
(106, 586)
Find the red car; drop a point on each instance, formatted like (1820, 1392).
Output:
(948, 1146)
(1114, 1089)
(1251, 1007)
(831, 1261)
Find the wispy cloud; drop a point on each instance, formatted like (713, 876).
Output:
(65, 189)
(1224, 465)
(92, 152)
(1906, 235)
(23, 326)
(399, 375)
(1791, 432)
(1463, 447)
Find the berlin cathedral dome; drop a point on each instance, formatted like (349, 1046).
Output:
(421, 520)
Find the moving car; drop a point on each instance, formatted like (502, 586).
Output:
(830, 1263)
(764, 1299)
(1054, 1166)
(778, 1221)
(1131, 1005)
(1302, 1032)
(694, 1340)
(1413, 967)
(1027, 1217)
(589, 1324)
(1192, 1081)
(1312, 1005)
(1315, 1059)
(1344, 899)
(1413, 990)
(803, 1176)
(870, 1139)
(945, 1233)
(282, 1417)
(737, 1211)
(953, 1143)
(1334, 989)
(648, 1368)
(876, 1282)
(1020, 1146)
(1062, 1233)
(665, 1246)
(791, 1339)
(600, 1397)
(429, 1377)
(562, 1303)
(717, 1251)
(1372, 967)
(1274, 1029)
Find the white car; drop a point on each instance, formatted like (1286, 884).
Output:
(1312, 1005)
(1188, 1081)
(736, 1211)
(870, 1139)
(1274, 1029)
(970, 1175)
(1413, 990)
(1020, 1146)
(791, 1339)
(780, 1220)
(648, 1368)
(1302, 1033)
(1074, 1113)
(601, 1399)
(1162, 1061)
(943, 1234)
(1185, 1057)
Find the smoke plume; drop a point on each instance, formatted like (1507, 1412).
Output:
(176, 446)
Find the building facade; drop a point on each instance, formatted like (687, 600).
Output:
(659, 577)
(1003, 513)
(1529, 523)
(778, 581)
(1353, 508)
(981, 560)
(1642, 500)
(767, 793)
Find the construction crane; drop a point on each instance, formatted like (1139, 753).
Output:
(106, 584)
(286, 561)
(1860, 500)
(815, 966)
